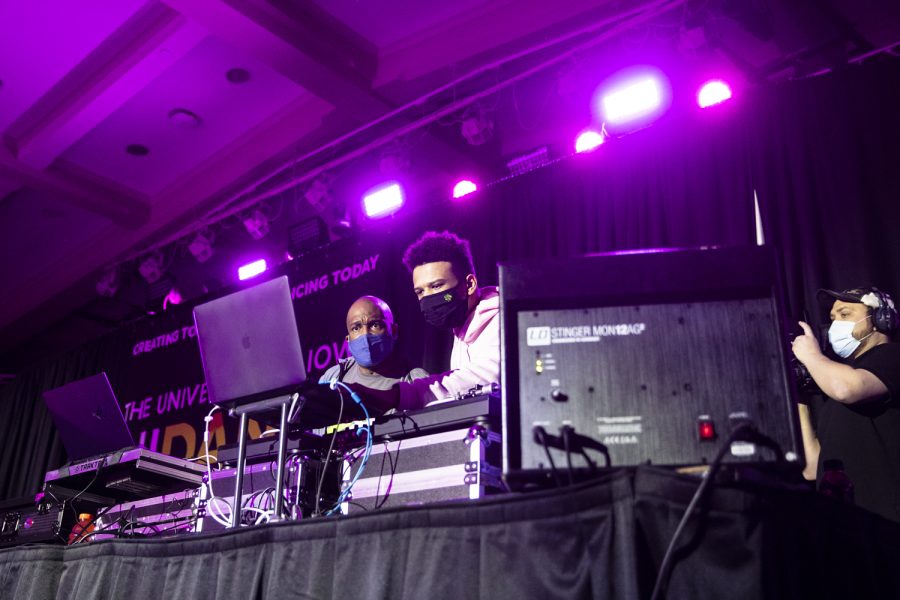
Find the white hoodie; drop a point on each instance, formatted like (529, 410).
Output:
(475, 359)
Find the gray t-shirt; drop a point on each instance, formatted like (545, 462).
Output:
(353, 374)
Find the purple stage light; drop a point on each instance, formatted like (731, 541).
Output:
(588, 140)
(252, 269)
(636, 99)
(383, 200)
(464, 188)
(712, 93)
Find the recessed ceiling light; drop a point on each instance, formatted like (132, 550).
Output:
(137, 149)
(237, 75)
(183, 118)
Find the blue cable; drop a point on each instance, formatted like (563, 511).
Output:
(346, 492)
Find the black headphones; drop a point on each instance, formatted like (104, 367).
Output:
(884, 317)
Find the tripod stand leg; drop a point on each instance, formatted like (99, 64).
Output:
(282, 450)
(239, 473)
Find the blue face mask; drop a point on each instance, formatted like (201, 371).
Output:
(370, 350)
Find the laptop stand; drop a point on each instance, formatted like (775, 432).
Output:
(283, 404)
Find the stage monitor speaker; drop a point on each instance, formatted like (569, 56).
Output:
(655, 356)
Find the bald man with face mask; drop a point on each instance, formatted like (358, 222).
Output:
(371, 339)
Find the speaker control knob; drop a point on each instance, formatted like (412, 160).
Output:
(559, 396)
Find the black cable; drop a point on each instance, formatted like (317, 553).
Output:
(142, 525)
(381, 475)
(606, 457)
(189, 521)
(542, 438)
(566, 431)
(664, 568)
(72, 500)
(100, 466)
(316, 513)
(591, 464)
(117, 522)
(393, 464)
(124, 524)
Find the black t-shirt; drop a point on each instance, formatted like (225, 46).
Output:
(866, 435)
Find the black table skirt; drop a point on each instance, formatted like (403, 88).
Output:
(602, 539)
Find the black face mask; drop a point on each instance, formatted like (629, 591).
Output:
(445, 310)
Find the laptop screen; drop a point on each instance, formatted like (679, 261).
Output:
(88, 417)
(250, 345)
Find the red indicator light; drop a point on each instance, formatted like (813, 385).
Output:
(707, 430)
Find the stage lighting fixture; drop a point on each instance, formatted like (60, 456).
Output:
(383, 200)
(588, 140)
(159, 290)
(173, 298)
(318, 193)
(478, 127)
(341, 220)
(464, 188)
(201, 246)
(712, 93)
(307, 235)
(634, 100)
(151, 268)
(257, 225)
(252, 269)
(108, 284)
(529, 162)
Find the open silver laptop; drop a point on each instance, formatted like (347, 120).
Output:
(250, 345)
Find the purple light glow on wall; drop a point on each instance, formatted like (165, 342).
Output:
(252, 269)
(383, 200)
(588, 140)
(712, 93)
(464, 188)
(636, 99)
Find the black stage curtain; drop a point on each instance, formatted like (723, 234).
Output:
(30, 446)
(822, 155)
(826, 165)
(598, 540)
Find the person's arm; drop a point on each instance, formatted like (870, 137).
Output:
(840, 382)
(480, 367)
(810, 443)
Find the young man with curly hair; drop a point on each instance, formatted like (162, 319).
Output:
(446, 285)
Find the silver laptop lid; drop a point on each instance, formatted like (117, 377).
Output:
(250, 345)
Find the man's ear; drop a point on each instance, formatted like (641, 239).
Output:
(471, 284)
(394, 330)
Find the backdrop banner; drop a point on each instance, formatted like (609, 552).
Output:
(156, 371)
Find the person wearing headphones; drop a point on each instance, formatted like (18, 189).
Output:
(859, 421)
